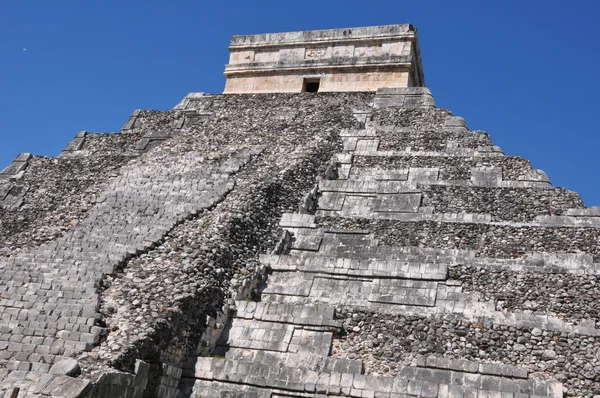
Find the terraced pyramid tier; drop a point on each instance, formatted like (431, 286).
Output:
(295, 245)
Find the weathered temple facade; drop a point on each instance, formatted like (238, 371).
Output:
(353, 59)
(337, 235)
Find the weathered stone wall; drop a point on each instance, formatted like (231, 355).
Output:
(354, 59)
(353, 79)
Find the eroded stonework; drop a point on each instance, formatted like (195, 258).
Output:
(417, 259)
(351, 59)
(355, 244)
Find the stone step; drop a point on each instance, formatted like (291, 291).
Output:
(338, 243)
(367, 207)
(367, 187)
(463, 365)
(491, 151)
(368, 267)
(362, 292)
(274, 336)
(450, 168)
(474, 176)
(519, 239)
(305, 315)
(333, 247)
(289, 359)
(208, 389)
(412, 381)
(40, 384)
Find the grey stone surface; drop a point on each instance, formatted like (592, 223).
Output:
(404, 98)
(68, 367)
(434, 264)
(16, 169)
(76, 145)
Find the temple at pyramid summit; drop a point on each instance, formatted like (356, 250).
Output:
(358, 59)
(320, 229)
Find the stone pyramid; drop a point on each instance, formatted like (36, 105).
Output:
(357, 243)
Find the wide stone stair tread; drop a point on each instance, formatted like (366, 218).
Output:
(511, 167)
(481, 152)
(411, 381)
(367, 187)
(305, 315)
(381, 200)
(209, 389)
(357, 267)
(360, 292)
(290, 359)
(274, 336)
(342, 245)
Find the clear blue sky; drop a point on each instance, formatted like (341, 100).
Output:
(525, 71)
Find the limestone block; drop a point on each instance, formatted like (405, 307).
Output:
(183, 104)
(153, 139)
(367, 132)
(400, 203)
(568, 221)
(486, 176)
(67, 387)
(423, 174)
(295, 220)
(535, 175)
(367, 145)
(75, 145)
(17, 167)
(331, 201)
(404, 97)
(305, 241)
(130, 124)
(456, 121)
(344, 158)
(367, 187)
(377, 174)
(68, 367)
(4, 190)
(142, 370)
(589, 212)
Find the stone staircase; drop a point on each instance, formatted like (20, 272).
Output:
(49, 295)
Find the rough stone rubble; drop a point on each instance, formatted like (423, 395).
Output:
(297, 245)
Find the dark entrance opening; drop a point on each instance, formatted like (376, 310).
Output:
(311, 86)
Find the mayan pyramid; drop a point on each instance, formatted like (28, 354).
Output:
(320, 229)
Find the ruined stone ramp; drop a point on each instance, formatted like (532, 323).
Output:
(50, 294)
(451, 379)
(43, 197)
